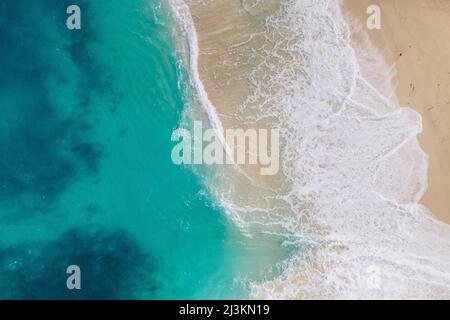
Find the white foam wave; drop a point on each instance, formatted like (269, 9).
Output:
(353, 168)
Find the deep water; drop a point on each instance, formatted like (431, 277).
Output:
(86, 176)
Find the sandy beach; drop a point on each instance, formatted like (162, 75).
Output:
(414, 37)
(345, 183)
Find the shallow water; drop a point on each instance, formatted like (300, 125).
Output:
(86, 175)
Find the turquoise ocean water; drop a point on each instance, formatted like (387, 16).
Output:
(86, 176)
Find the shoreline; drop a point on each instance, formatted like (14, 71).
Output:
(223, 89)
(211, 104)
(250, 66)
(412, 40)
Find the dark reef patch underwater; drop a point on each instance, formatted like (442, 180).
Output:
(86, 176)
(44, 147)
(114, 267)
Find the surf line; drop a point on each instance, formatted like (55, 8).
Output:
(182, 13)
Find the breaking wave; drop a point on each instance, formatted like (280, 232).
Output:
(353, 172)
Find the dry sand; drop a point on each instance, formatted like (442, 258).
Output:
(415, 36)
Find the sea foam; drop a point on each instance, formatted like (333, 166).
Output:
(353, 171)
